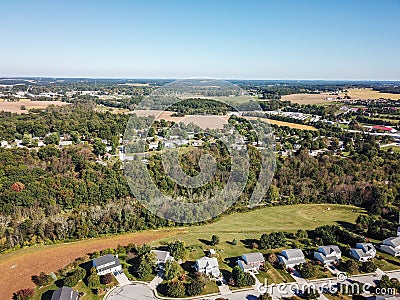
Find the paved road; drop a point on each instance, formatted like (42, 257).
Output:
(132, 292)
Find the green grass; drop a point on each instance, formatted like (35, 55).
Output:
(386, 262)
(247, 227)
(250, 225)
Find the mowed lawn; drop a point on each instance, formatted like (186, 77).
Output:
(248, 227)
(290, 218)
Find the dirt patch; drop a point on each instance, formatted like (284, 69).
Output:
(18, 267)
(15, 107)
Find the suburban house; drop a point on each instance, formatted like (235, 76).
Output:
(65, 293)
(107, 264)
(328, 254)
(391, 245)
(208, 266)
(292, 257)
(363, 251)
(161, 257)
(251, 262)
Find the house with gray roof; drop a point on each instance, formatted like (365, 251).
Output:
(251, 262)
(391, 245)
(292, 257)
(363, 251)
(328, 255)
(107, 264)
(65, 293)
(208, 266)
(162, 257)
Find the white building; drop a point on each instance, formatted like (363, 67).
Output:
(328, 254)
(208, 266)
(363, 251)
(251, 262)
(391, 245)
(292, 257)
(162, 257)
(107, 264)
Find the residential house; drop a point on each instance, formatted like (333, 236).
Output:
(107, 264)
(251, 262)
(391, 245)
(208, 266)
(363, 251)
(65, 293)
(292, 257)
(162, 257)
(328, 254)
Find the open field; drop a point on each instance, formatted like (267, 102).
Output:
(282, 123)
(21, 264)
(309, 98)
(15, 107)
(203, 121)
(251, 225)
(370, 94)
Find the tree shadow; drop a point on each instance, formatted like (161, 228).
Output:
(205, 242)
(345, 224)
(188, 266)
(226, 274)
(231, 261)
(47, 295)
(248, 243)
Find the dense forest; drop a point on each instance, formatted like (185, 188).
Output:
(55, 194)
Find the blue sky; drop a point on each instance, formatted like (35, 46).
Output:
(270, 39)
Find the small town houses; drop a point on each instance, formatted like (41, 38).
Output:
(291, 258)
(328, 255)
(251, 262)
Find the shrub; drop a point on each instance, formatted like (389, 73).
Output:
(42, 279)
(24, 294)
(175, 289)
(193, 288)
(214, 240)
(106, 279)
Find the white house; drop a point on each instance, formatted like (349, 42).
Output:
(162, 257)
(391, 245)
(292, 257)
(208, 266)
(107, 264)
(328, 254)
(363, 251)
(65, 293)
(251, 262)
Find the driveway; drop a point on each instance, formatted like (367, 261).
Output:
(156, 281)
(224, 288)
(135, 291)
(122, 279)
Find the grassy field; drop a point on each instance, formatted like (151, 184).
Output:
(282, 123)
(20, 265)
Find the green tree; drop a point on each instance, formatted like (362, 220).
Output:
(194, 287)
(214, 240)
(175, 289)
(93, 279)
(52, 139)
(177, 249)
(99, 148)
(172, 270)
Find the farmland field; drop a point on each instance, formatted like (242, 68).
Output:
(15, 107)
(309, 98)
(20, 265)
(282, 123)
(371, 94)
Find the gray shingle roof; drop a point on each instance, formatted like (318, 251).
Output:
(65, 293)
(253, 257)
